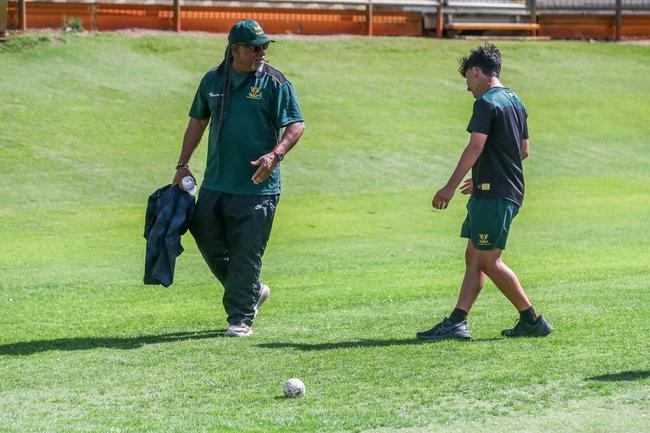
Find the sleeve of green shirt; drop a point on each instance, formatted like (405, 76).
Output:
(286, 110)
(200, 108)
(525, 131)
(481, 117)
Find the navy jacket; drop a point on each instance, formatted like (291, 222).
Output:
(169, 211)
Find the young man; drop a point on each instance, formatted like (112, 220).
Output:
(497, 146)
(248, 105)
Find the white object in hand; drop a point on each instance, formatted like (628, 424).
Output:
(294, 388)
(188, 184)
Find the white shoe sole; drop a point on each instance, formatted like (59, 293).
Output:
(232, 333)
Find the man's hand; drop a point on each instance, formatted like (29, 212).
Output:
(192, 138)
(442, 198)
(180, 174)
(467, 187)
(265, 165)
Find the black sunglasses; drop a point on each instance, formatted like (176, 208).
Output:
(259, 48)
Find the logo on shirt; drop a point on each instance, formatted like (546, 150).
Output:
(484, 186)
(483, 239)
(255, 93)
(215, 95)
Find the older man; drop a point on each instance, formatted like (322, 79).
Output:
(255, 120)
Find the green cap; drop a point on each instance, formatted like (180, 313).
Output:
(248, 32)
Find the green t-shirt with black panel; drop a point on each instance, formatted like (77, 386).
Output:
(498, 172)
(260, 105)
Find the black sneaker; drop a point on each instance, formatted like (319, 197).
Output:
(446, 330)
(541, 328)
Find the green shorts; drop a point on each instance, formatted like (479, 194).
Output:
(488, 222)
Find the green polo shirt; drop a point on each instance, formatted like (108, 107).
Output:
(498, 172)
(260, 105)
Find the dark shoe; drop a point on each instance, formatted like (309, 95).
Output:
(446, 330)
(541, 328)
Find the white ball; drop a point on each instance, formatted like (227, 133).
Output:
(294, 388)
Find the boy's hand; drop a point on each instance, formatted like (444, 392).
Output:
(467, 187)
(442, 198)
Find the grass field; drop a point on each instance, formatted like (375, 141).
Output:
(358, 261)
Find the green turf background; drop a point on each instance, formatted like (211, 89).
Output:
(358, 261)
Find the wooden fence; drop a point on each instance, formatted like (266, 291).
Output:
(595, 26)
(356, 17)
(113, 16)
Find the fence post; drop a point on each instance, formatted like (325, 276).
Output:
(3, 19)
(440, 20)
(177, 15)
(369, 18)
(22, 15)
(619, 20)
(533, 14)
(93, 17)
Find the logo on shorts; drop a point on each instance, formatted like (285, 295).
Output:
(255, 93)
(483, 239)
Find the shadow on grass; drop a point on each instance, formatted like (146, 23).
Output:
(306, 347)
(126, 343)
(622, 376)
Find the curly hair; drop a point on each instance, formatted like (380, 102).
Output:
(487, 58)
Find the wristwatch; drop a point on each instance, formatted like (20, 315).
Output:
(279, 154)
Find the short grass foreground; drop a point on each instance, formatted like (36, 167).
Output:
(358, 262)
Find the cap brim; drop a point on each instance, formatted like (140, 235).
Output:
(260, 41)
